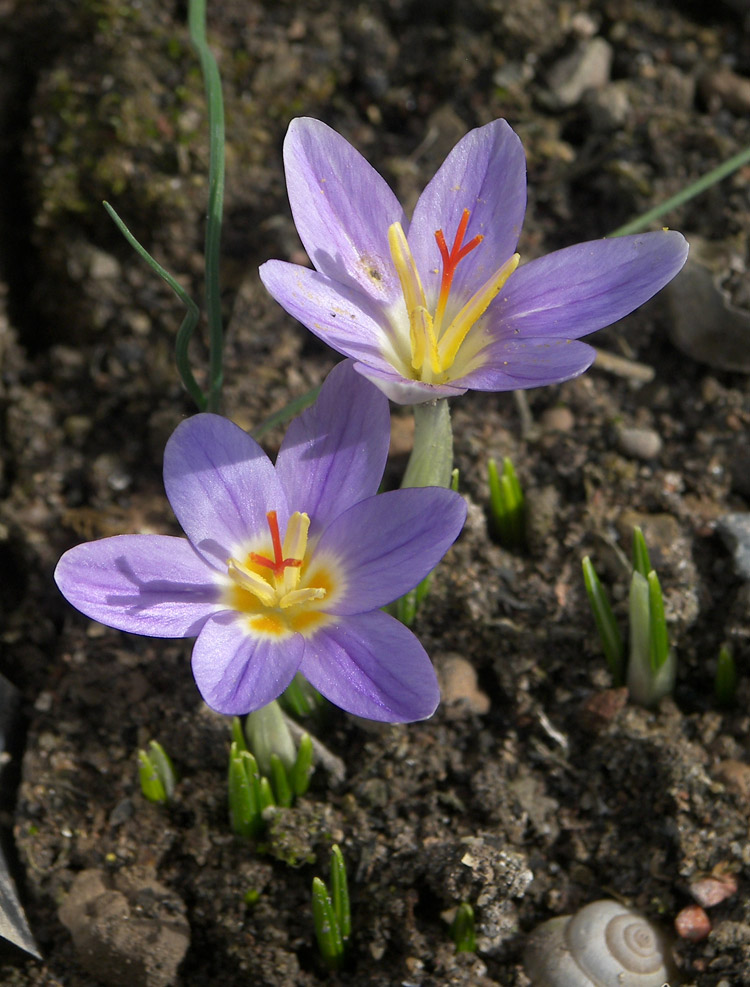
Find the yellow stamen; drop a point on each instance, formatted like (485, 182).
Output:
(450, 342)
(421, 332)
(302, 596)
(295, 546)
(252, 582)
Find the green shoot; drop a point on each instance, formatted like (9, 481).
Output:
(299, 776)
(651, 662)
(463, 930)
(245, 802)
(238, 734)
(651, 667)
(300, 698)
(156, 773)
(507, 505)
(331, 913)
(725, 681)
(641, 561)
(251, 788)
(609, 632)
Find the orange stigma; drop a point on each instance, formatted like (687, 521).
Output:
(451, 259)
(278, 563)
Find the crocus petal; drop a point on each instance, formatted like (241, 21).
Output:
(342, 317)
(372, 666)
(486, 174)
(521, 363)
(220, 484)
(402, 390)
(582, 288)
(385, 545)
(342, 209)
(146, 584)
(333, 455)
(237, 672)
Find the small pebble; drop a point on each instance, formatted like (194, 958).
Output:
(692, 923)
(735, 532)
(639, 443)
(588, 67)
(559, 419)
(458, 685)
(735, 775)
(713, 889)
(725, 88)
(601, 708)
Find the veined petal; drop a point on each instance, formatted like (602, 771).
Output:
(402, 390)
(236, 671)
(333, 455)
(372, 666)
(385, 545)
(145, 584)
(221, 485)
(342, 317)
(519, 363)
(486, 174)
(342, 209)
(579, 289)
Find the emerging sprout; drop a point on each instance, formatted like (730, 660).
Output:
(651, 664)
(725, 681)
(463, 931)
(507, 505)
(156, 773)
(251, 789)
(331, 913)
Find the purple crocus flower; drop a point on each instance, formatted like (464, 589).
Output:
(284, 567)
(435, 306)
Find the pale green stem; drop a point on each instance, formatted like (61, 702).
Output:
(431, 460)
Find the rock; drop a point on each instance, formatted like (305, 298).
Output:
(712, 889)
(639, 443)
(735, 531)
(458, 686)
(723, 87)
(705, 324)
(558, 419)
(692, 923)
(128, 929)
(736, 776)
(587, 67)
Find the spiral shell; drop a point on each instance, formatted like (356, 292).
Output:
(602, 945)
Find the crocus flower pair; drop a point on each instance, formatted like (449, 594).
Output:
(436, 306)
(284, 568)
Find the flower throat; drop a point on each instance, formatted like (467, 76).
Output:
(433, 348)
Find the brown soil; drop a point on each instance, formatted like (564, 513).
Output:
(557, 780)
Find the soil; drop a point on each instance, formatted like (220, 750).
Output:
(537, 790)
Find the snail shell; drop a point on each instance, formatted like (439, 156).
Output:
(602, 945)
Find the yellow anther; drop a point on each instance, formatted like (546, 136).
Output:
(450, 342)
(252, 582)
(301, 596)
(408, 275)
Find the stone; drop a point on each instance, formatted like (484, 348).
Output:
(128, 929)
(735, 531)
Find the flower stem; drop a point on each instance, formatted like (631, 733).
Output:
(215, 104)
(431, 460)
